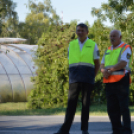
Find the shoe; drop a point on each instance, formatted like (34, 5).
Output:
(85, 132)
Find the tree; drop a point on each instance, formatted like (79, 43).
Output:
(41, 16)
(8, 19)
(51, 84)
(116, 12)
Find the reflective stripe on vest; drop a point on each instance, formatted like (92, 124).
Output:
(117, 75)
(81, 57)
(80, 63)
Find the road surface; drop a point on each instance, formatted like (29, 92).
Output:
(50, 124)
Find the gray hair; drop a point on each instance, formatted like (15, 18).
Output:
(119, 32)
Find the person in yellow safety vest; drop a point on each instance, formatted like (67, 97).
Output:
(84, 64)
(116, 67)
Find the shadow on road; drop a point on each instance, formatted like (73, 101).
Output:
(93, 126)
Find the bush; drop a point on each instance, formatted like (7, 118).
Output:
(52, 82)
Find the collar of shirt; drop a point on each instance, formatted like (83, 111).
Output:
(116, 46)
(83, 42)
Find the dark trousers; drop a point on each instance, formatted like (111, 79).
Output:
(74, 90)
(117, 105)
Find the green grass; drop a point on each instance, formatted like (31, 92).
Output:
(21, 109)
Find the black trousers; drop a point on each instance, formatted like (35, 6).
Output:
(117, 106)
(74, 90)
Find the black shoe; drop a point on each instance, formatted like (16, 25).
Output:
(85, 132)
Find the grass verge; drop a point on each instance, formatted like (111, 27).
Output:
(21, 109)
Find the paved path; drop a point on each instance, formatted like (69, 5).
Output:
(50, 124)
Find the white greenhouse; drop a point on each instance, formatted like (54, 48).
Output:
(16, 69)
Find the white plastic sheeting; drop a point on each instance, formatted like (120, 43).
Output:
(16, 69)
(3, 40)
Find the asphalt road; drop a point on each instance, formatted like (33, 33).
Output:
(50, 124)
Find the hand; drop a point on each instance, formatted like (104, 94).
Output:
(111, 69)
(105, 73)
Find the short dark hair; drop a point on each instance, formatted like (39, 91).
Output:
(82, 25)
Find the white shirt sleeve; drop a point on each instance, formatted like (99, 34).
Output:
(125, 55)
(102, 61)
(96, 52)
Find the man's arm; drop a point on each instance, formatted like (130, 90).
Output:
(96, 59)
(97, 65)
(122, 64)
(104, 71)
(125, 57)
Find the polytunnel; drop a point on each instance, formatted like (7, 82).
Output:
(16, 69)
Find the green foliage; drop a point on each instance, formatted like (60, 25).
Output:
(51, 84)
(38, 20)
(44, 27)
(8, 19)
(115, 11)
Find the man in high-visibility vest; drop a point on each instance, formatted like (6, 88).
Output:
(116, 68)
(83, 66)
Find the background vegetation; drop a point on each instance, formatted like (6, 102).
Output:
(44, 27)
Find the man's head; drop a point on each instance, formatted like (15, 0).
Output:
(82, 31)
(115, 37)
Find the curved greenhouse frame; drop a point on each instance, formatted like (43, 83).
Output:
(16, 70)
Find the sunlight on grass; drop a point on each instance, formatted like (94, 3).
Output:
(21, 109)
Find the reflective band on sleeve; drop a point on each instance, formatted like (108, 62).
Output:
(121, 52)
(128, 68)
(118, 73)
(81, 63)
(104, 55)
